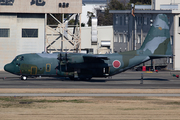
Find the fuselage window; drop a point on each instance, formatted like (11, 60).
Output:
(19, 58)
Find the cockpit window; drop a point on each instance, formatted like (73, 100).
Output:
(19, 58)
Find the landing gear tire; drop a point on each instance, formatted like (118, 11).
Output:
(23, 78)
(87, 79)
(72, 78)
(79, 78)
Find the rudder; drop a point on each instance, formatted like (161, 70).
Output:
(157, 41)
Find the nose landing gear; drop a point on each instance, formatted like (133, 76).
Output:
(23, 78)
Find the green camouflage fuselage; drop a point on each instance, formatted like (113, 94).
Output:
(76, 65)
(43, 64)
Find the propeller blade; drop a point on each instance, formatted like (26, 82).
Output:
(66, 60)
(59, 57)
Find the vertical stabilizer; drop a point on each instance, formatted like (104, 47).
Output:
(157, 41)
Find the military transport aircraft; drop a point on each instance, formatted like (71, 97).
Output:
(85, 66)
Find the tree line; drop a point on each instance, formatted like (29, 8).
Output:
(105, 18)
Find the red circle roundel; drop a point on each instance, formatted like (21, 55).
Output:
(116, 63)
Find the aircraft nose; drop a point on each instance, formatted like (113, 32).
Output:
(9, 68)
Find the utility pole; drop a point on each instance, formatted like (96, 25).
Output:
(135, 32)
(62, 37)
(135, 25)
(45, 23)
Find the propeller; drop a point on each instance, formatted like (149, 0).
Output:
(64, 59)
(60, 57)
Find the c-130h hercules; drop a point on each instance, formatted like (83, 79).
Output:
(85, 66)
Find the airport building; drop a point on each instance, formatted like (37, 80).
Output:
(24, 29)
(23, 26)
(101, 45)
(130, 31)
(91, 6)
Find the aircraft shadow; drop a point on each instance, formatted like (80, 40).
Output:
(155, 79)
(145, 79)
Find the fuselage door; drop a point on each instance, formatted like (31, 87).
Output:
(106, 70)
(33, 70)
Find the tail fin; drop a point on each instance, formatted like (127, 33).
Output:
(157, 41)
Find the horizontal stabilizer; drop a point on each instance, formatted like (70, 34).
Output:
(160, 56)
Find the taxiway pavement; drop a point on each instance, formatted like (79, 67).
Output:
(126, 80)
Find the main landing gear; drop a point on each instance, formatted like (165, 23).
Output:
(86, 79)
(23, 78)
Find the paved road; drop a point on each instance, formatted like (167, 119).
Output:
(125, 80)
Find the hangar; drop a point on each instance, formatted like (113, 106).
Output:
(23, 26)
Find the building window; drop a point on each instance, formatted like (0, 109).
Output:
(120, 37)
(139, 20)
(116, 38)
(148, 21)
(145, 20)
(116, 19)
(120, 20)
(170, 60)
(127, 20)
(124, 20)
(30, 33)
(125, 38)
(139, 38)
(4, 32)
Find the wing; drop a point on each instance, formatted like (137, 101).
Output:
(94, 58)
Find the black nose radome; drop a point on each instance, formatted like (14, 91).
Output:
(9, 68)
